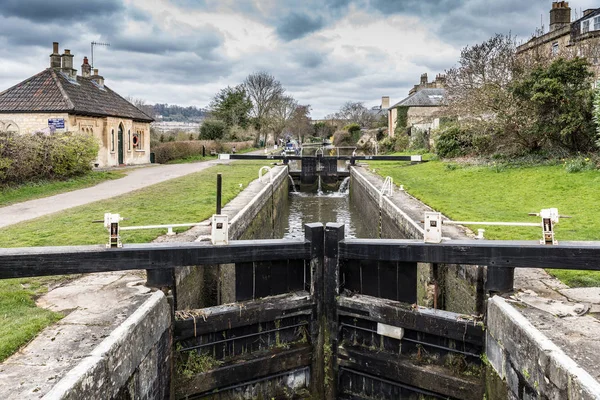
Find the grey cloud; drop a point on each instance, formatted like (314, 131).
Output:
(297, 25)
(59, 10)
(22, 33)
(434, 62)
(158, 42)
(310, 59)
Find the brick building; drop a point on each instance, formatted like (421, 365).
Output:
(57, 99)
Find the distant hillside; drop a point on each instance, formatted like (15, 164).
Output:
(171, 112)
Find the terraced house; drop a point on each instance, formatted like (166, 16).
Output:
(57, 99)
(565, 37)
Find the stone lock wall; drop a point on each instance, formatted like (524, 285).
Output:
(459, 287)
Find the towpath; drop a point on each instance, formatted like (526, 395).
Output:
(136, 179)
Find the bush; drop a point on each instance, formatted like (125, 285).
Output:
(578, 164)
(401, 142)
(26, 158)
(170, 151)
(419, 140)
(342, 138)
(212, 130)
(453, 142)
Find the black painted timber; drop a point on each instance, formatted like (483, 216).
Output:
(394, 368)
(284, 157)
(251, 368)
(437, 322)
(229, 316)
(496, 253)
(63, 260)
(315, 234)
(334, 234)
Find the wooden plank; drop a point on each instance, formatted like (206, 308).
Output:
(60, 260)
(428, 377)
(244, 281)
(315, 234)
(334, 233)
(436, 322)
(244, 369)
(262, 279)
(219, 318)
(496, 253)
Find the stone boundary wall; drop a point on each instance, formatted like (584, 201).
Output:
(133, 362)
(530, 363)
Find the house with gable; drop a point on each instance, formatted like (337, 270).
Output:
(59, 100)
(419, 110)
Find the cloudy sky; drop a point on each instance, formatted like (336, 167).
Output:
(325, 52)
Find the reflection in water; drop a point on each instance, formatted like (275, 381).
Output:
(326, 207)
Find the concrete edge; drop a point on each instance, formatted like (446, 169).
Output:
(580, 381)
(277, 178)
(96, 373)
(390, 203)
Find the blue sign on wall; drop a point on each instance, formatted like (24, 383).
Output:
(56, 123)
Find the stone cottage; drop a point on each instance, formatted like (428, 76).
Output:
(58, 100)
(419, 110)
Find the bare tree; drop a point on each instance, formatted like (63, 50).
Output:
(356, 112)
(281, 113)
(142, 106)
(264, 91)
(300, 123)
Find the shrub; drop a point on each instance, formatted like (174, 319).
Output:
(212, 130)
(401, 142)
(170, 151)
(419, 140)
(578, 164)
(386, 145)
(342, 138)
(26, 158)
(453, 142)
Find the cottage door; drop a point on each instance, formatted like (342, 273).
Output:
(120, 144)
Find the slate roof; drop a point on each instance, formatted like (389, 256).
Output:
(52, 91)
(423, 98)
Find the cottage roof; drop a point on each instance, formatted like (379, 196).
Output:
(423, 98)
(53, 91)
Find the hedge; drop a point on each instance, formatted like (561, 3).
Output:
(169, 151)
(26, 158)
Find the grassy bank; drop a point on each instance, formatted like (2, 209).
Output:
(187, 199)
(36, 190)
(498, 193)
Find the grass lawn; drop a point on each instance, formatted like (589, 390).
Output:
(199, 157)
(38, 190)
(187, 199)
(489, 193)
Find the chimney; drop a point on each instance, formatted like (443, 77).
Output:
(560, 15)
(440, 81)
(424, 79)
(86, 69)
(385, 102)
(67, 64)
(98, 79)
(55, 57)
(588, 12)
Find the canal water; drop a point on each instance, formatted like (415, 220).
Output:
(323, 207)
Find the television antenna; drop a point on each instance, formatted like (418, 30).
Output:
(92, 49)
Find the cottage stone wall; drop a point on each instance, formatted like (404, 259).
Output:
(101, 127)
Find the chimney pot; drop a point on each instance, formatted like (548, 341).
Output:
(86, 68)
(67, 51)
(95, 71)
(55, 57)
(385, 102)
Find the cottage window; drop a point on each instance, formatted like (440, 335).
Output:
(112, 140)
(597, 23)
(585, 26)
(554, 48)
(128, 140)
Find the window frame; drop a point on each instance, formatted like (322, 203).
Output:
(585, 26)
(128, 139)
(596, 21)
(555, 48)
(112, 140)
